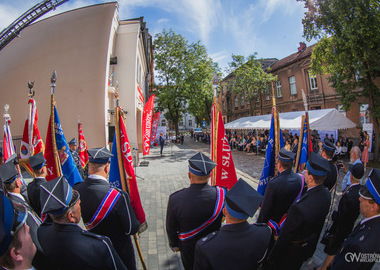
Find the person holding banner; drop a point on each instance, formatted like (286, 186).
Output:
(305, 219)
(327, 152)
(281, 192)
(238, 244)
(194, 212)
(38, 165)
(107, 210)
(73, 146)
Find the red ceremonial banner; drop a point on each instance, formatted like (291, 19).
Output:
(225, 168)
(83, 155)
(31, 142)
(51, 165)
(130, 173)
(147, 124)
(156, 119)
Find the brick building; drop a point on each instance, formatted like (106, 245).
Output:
(294, 75)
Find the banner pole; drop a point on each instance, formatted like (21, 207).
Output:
(300, 139)
(276, 131)
(52, 121)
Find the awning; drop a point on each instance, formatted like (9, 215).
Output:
(327, 119)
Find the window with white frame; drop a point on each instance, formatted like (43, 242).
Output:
(236, 102)
(190, 123)
(292, 85)
(278, 88)
(313, 81)
(364, 114)
(242, 102)
(266, 93)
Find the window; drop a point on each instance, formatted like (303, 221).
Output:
(236, 102)
(341, 110)
(292, 85)
(364, 114)
(266, 92)
(242, 102)
(313, 81)
(278, 87)
(181, 123)
(190, 123)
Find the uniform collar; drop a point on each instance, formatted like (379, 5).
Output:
(95, 176)
(17, 195)
(367, 219)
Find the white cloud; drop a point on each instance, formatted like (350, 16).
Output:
(220, 56)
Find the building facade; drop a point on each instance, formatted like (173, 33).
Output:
(294, 75)
(95, 55)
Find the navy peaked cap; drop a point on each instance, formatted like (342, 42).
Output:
(242, 200)
(37, 161)
(371, 189)
(286, 156)
(317, 165)
(328, 145)
(201, 165)
(8, 172)
(73, 141)
(99, 155)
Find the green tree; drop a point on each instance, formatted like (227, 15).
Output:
(184, 73)
(250, 80)
(349, 49)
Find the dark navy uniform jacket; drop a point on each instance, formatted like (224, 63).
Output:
(188, 209)
(34, 194)
(299, 236)
(76, 158)
(235, 246)
(70, 247)
(280, 194)
(364, 239)
(332, 176)
(344, 219)
(120, 223)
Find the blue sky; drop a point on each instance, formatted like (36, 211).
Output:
(272, 28)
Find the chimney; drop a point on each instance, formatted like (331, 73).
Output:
(302, 47)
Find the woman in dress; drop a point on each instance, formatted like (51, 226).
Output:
(366, 144)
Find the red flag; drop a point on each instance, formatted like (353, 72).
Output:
(8, 148)
(31, 142)
(147, 124)
(156, 119)
(130, 172)
(225, 169)
(83, 155)
(51, 164)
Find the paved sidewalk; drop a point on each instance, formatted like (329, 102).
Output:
(167, 174)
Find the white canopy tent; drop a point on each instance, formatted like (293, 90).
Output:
(327, 119)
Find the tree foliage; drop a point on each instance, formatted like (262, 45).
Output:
(184, 73)
(349, 49)
(250, 80)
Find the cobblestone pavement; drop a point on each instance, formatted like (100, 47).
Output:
(166, 174)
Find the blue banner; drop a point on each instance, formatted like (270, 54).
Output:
(303, 158)
(69, 168)
(270, 158)
(114, 177)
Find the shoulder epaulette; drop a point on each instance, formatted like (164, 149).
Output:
(207, 238)
(93, 235)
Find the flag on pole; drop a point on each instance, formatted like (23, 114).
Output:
(225, 173)
(31, 142)
(8, 147)
(306, 148)
(58, 157)
(122, 172)
(83, 155)
(156, 119)
(270, 155)
(147, 124)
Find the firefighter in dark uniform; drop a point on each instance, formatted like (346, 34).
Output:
(66, 244)
(16, 246)
(299, 235)
(364, 239)
(73, 149)
(327, 152)
(118, 221)
(281, 191)
(238, 244)
(12, 185)
(38, 165)
(194, 212)
(15, 160)
(344, 218)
